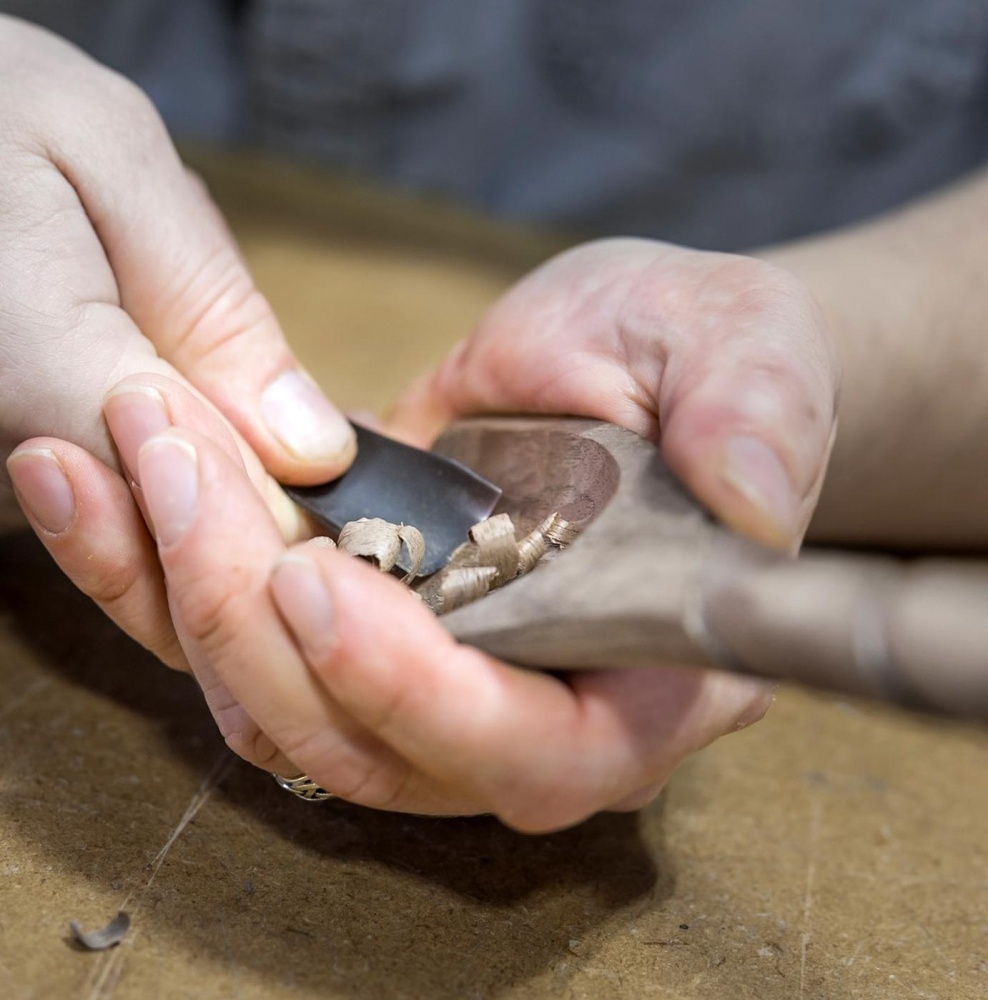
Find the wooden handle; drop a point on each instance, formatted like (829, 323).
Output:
(915, 633)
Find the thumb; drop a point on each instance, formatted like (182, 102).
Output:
(751, 439)
(182, 280)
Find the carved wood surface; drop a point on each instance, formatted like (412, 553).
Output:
(652, 580)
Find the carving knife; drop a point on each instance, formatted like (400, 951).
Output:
(404, 485)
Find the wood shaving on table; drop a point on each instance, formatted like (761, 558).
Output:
(105, 937)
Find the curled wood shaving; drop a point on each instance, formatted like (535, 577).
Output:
(461, 585)
(415, 547)
(496, 546)
(105, 937)
(381, 541)
(558, 530)
(489, 559)
(371, 538)
(533, 547)
(530, 550)
(452, 587)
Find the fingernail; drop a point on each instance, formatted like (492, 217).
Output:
(43, 488)
(303, 600)
(134, 413)
(754, 470)
(304, 421)
(169, 471)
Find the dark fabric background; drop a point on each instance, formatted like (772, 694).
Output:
(710, 122)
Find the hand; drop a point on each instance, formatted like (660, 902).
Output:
(333, 670)
(724, 361)
(114, 261)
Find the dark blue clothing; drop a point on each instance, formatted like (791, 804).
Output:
(715, 123)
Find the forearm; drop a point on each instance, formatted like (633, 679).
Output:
(907, 298)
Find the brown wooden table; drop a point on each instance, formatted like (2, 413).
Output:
(832, 851)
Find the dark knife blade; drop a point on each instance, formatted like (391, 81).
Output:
(405, 485)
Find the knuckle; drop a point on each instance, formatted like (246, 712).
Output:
(757, 708)
(111, 583)
(353, 766)
(211, 608)
(556, 799)
(389, 791)
(638, 799)
(376, 784)
(115, 114)
(196, 182)
(60, 91)
(132, 108)
(539, 804)
(252, 745)
(239, 731)
(225, 310)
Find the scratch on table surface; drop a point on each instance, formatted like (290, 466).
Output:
(848, 962)
(946, 962)
(108, 969)
(7, 977)
(911, 881)
(812, 845)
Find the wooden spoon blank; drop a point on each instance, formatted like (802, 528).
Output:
(652, 579)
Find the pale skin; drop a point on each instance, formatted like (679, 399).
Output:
(313, 662)
(113, 260)
(906, 298)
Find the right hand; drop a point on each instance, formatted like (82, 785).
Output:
(114, 261)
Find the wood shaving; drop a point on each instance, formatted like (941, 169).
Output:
(559, 531)
(414, 544)
(535, 545)
(490, 558)
(381, 542)
(461, 585)
(105, 937)
(496, 546)
(371, 538)
(453, 586)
